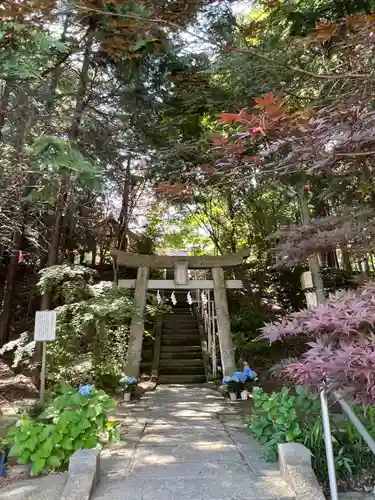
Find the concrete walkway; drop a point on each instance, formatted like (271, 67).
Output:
(186, 443)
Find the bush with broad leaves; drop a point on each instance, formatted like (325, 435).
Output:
(341, 337)
(74, 420)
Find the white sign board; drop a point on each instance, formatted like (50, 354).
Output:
(181, 275)
(45, 326)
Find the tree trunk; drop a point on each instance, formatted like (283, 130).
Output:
(10, 286)
(53, 251)
(23, 124)
(84, 78)
(346, 260)
(57, 71)
(233, 243)
(62, 197)
(4, 105)
(313, 260)
(93, 254)
(124, 214)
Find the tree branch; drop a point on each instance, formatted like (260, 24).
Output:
(358, 153)
(254, 52)
(320, 76)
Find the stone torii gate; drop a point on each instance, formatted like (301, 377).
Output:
(181, 281)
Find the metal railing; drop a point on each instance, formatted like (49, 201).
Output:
(350, 414)
(207, 311)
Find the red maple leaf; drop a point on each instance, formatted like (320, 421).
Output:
(275, 110)
(229, 118)
(267, 100)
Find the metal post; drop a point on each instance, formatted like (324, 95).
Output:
(356, 422)
(214, 360)
(213, 333)
(328, 444)
(43, 374)
(208, 332)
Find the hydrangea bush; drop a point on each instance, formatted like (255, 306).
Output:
(238, 381)
(128, 384)
(341, 340)
(74, 420)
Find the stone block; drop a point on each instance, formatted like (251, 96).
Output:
(295, 468)
(83, 475)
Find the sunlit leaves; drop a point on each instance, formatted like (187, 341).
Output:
(58, 155)
(343, 353)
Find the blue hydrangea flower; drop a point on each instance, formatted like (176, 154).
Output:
(239, 377)
(249, 373)
(85, 390)
(127, 380)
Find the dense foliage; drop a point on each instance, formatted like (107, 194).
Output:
(282, 417)
(74, 420)
(92, 327)
(341, 347)
(126, 124)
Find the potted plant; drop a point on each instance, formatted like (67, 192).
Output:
(128, 385)
(234, 388)
(234, 385)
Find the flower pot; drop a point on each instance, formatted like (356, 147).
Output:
(127, 396)
(233, 396)
(244, 394)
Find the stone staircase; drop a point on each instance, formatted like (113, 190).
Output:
(181, 360)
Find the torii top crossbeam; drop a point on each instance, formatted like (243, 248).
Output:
(129, 259)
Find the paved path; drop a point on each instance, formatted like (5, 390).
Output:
(186, 443)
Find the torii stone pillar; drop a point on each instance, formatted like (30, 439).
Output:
(223, 322)
(181, 264)
(137, 324)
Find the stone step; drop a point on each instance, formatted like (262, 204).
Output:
(181, 379)
(185, 320)
(181, 341)
(180, 335)
(175, 363)
(182, 330)
(186, 323)
(185, 313)
(182, 370)
(180, 326)
(181, 354)
(187, 349)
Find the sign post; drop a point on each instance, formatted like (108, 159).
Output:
(44, 331)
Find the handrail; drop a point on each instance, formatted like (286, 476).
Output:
(350, 414)
(207, 311)
(355, 421)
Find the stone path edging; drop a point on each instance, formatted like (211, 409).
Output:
(296, 470)
(83, 475)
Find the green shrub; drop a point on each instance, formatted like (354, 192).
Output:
(74, 420)
(278, 417)
(283, 417)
